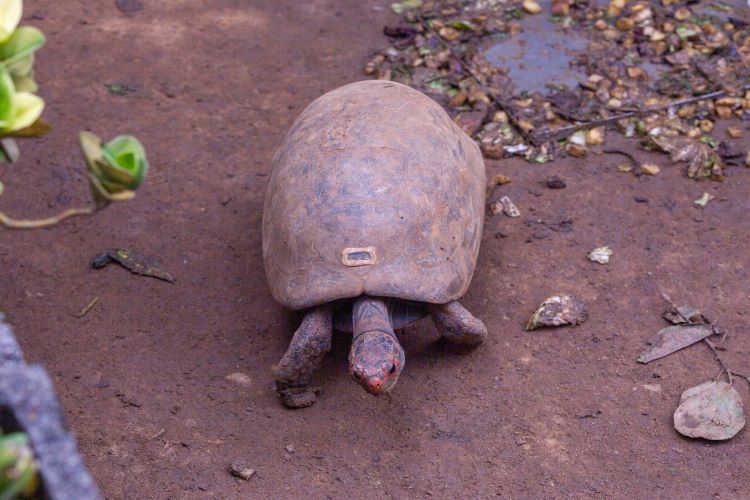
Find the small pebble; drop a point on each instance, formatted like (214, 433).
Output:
(509, 208)
(641, 199)
(650, 169)
(555, 182)
(241, 471)
(532, 7)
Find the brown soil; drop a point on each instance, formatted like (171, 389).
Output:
(553, 413)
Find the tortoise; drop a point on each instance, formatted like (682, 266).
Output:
(372, 220)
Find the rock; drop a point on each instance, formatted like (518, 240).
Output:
(509, 208)
(532, 7)
(240, 378)
(555, 182)
(600, 255)
(576, 150)
(595, 136)
(240, 470)
(650, 169)
(128, 6)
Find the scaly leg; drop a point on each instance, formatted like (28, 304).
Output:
(310, 343)
(456, 324)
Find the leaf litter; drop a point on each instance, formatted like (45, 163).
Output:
(664, 72)
(712, 410)
(134, 262)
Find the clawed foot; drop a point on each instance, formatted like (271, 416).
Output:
(457, 325)
(298, 397)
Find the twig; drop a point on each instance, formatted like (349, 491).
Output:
(746, 378)
(156, 435)
(723, 365)
(83, 312)
(635, 165)
(11, 223)
(563, 131)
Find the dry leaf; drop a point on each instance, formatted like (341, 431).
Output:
(674, 338)
(684, 315)
(712, 410)
(558, 310)
(133, 262)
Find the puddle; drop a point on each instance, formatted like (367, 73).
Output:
(540, 54)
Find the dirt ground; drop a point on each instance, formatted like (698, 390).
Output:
(143, 377)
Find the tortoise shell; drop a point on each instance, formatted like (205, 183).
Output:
(374, 191)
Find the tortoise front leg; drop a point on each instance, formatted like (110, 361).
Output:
(456, 324)
(310, 343)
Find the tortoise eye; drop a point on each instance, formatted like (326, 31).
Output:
(392, 370)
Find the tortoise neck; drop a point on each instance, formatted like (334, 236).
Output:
(371, 314)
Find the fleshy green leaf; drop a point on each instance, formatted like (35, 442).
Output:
(18, 110)
(25, 83)
(22, 66)
(116, 169)
(27, 109)
(18, 475)
(22, 43)
(7, 89)
(125, 163)
(10, 16)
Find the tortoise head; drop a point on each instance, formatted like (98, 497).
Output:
(376, 360)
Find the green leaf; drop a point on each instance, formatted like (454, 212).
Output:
(125, 162)
(27, 108)
(18, 475)
(684, 32)
(461, 25)
(25, 83)
(116, 169)
(18, 110)
(91, 148)
(22, 44)
(7, 89)
(10, 16)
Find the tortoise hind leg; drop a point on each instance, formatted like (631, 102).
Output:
(457, 325)
(310, 343)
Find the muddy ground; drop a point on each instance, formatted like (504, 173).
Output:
(143, 377)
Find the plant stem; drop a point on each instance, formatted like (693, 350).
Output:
(723, 365)
(11, 223)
